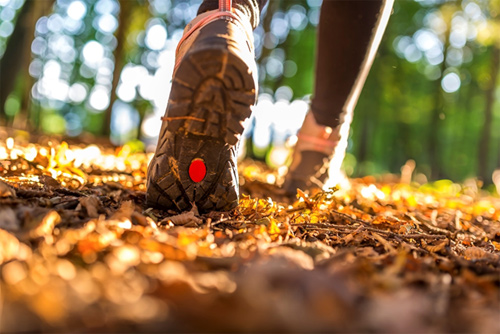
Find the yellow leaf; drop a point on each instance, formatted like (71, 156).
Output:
(273, 227)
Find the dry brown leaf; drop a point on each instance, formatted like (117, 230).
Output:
(294, 257)
(366, 252)
(6, 190)
(92, 204)
(476, 253)
(124, 212)
(183, 219)
(301, 194)
(40, 223)
(49, 181)
(140, 219)
(435, 248)
(348, 238)
(8, 220)
(9, 246)
(387, 245)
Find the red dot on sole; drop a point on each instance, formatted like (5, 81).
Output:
(197, 170)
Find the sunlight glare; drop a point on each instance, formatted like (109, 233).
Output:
(107, 23)
(451, 82)
(283, 93)
(93, 53)
(106, 6)
(151, 126)
(99, 98)
(6, 28)
(458, 35)
(7, 14)
(435, 55)
(52, 70)
(147, 88)
(473, 10)
(297, 17)
(156, 37)
(77, 93)
(126, 92)
(496, 180)
(426, 40)
(77, 10)
(161, 87)
(133, 75)
(412, 53)
(124, 118)
(10, 143)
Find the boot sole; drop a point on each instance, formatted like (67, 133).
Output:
(212, 91)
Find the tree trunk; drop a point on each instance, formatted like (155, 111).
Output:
(39, 9)
(14, 57)
(484, 144)
(463, 143)
(433, 147)
(118, 54)
(369, 120)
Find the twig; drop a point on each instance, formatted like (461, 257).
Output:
(325, 225)
(376, 230)
(65, 191)
(28, 193)
(422, 220)
(406, 236)
(178, 118)
(387, 245)
(474, 265)
(311, 227)
(348, 217)
(231, 222)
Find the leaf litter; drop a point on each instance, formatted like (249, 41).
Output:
(80, 251)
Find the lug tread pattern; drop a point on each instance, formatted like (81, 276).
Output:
(211, 95)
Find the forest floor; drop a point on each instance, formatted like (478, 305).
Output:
(80, 252)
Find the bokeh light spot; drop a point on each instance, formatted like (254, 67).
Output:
(77, 10)
(156, 37)
(451, 82)
(99, 98)
(77, 93)
(93, 53)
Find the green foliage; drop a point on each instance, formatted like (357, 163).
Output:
(53, 122)
(301, 52)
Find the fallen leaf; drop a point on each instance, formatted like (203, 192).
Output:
(8, 220)
(182, 219)
(92, 204)
(6, 190)
(39, 223)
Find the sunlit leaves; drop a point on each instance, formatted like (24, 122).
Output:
(96, 245)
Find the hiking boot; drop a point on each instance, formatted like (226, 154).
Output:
(311, 156)
(213, 87)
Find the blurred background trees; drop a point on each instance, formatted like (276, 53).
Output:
(103, 67)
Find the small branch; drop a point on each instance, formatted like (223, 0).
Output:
(178, 118)
(323, 226)
(348, 217)
(423, 221)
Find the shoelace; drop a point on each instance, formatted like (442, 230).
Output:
(318, 142)
(225, 5)
(225, 9)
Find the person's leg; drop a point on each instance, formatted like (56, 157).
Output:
(250, 8)
(213, 87)
(348, 38)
